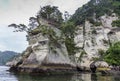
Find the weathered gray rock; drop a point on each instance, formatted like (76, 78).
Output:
(95, 41)
(40, 58)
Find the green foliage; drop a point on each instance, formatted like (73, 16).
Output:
(94, 9)
(116, 23)
(71, 46)
(40, 29)
(95, 59)
(33, 22)
(83, 52)
(51, 13)
(101, 54)
(97, 23)
(116, 7)
(68, 29)
(35, 31)
(112, 55)
(19, 28)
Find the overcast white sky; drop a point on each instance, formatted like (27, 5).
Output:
(19, 11)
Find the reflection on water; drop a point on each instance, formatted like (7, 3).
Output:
(93, 77)
(75, 77)
(44, 78)
(7, 76)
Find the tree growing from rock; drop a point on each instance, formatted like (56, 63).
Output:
(50, 13)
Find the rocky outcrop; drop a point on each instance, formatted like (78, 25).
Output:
(92, 35)
(96, 38)
(42, 56)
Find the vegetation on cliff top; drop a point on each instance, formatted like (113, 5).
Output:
(53, 16)
(49, 13)
(94, 9)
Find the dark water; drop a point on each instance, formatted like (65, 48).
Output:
(7, 76)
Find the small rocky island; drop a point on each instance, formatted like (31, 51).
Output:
(72, 44)
(46, 52)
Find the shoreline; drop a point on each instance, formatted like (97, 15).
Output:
(53, 71)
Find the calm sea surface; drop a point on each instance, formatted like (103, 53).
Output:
(7, 76)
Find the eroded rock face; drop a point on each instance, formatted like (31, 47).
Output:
(40, 57)
(96, 38)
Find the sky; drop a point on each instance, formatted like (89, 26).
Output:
(19, 11)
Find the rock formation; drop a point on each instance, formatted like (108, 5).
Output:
(96, 38)
(43, 55)
(47, 50)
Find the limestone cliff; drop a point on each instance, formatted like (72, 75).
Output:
(47, 47)
(95, 21)
(96, 38)
(44, 53)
